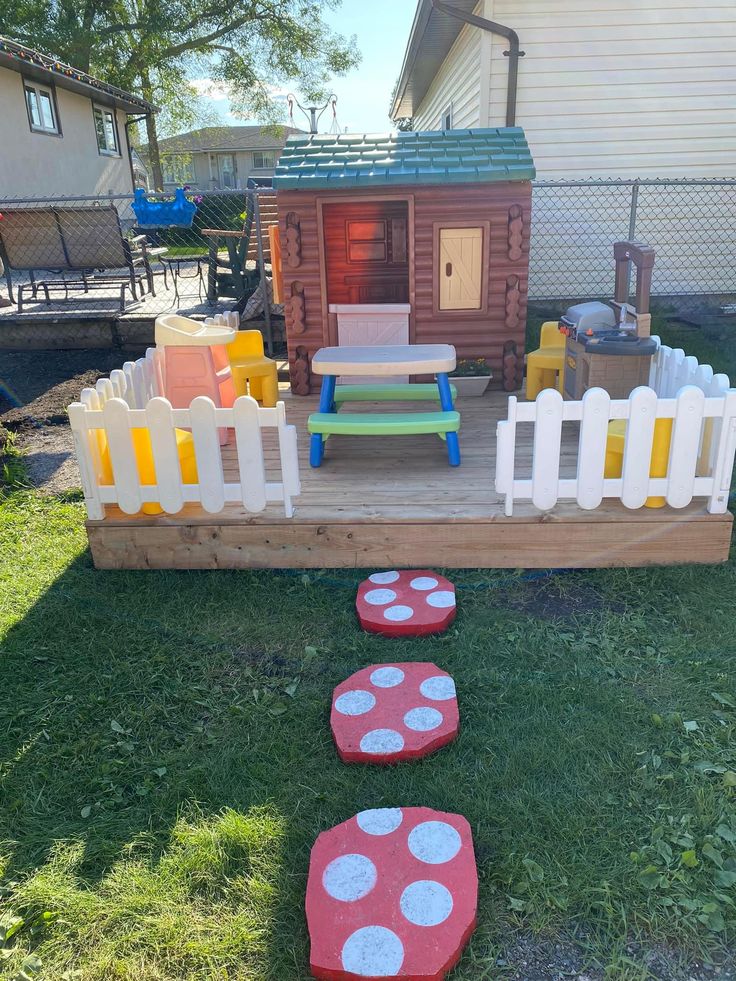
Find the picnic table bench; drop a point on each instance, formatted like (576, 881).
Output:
(384, 361)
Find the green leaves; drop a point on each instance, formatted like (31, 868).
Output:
(689, 859)
(534, 871)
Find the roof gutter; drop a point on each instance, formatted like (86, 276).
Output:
(513, 54)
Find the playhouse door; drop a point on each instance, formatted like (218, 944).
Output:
(460, 272)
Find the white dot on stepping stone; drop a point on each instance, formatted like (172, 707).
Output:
(349, 878)
(387, 677)
(424, 582)
(380, 820)
(442, 599)
(423, 719)
(373, 952)
(439, 688)
(379, 597)
(354, 702)
(382, 741)
(398, 613)
(434, 842)
(383, 578)
(426, 903)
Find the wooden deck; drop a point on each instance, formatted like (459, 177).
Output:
(396, 502)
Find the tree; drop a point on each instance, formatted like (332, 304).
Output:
(154, 47)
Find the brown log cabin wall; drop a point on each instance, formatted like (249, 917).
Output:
(474, 333)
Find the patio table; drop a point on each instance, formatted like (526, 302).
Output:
(384, 361)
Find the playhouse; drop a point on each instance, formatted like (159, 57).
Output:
(406, 238)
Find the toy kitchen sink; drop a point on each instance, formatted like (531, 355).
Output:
(609, 346)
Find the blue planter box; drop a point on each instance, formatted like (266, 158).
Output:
(163, 214)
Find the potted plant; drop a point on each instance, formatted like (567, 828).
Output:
(471, 376)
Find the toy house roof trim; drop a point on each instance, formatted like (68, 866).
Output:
(458, 156)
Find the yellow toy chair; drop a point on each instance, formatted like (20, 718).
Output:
(144, 461)
(545, 366)
(252, 372)
(660, 453)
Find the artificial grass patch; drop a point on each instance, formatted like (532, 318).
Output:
(167, 761)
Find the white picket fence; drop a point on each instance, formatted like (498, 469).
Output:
(701, 458)
(130, 398)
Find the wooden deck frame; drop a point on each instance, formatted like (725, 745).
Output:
(396, 503)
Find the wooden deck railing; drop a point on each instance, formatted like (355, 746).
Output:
(130, 399)
(701, 404)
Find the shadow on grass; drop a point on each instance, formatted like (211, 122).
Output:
(167, 761)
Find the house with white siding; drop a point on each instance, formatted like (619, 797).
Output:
(615, 88)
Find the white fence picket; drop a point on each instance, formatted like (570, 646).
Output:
(165, 455)
(116, 416)
(684, 444)
(289, 458)
(592, 447)
(638, 447)
(207, 452)
(724, 456)
(83, 444)
(250, 453)
(546, 452)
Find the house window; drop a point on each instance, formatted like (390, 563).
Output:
(460, 273)
(178, 168)
(106, 131)
(41, 107)
(446, 118)
(264, 159)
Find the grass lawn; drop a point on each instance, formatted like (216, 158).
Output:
(166, 761)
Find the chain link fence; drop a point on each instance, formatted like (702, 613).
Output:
(88, 256)
(690, 223)
(77, 257)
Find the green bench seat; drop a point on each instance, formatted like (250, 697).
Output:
(389, 393)
(383, 423)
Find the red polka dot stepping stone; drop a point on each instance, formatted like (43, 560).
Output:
(406, 604)
(392, 712)
(392, 893)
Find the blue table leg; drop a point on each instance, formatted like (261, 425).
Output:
(326, 404)
(453, 443)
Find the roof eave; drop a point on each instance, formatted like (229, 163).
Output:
(105, 94)
(427, 21)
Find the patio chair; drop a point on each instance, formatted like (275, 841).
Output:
(77, 239)
(229, 276)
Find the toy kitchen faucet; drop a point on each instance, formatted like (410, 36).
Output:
(608, 346)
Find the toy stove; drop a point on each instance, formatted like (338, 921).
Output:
(606, 351)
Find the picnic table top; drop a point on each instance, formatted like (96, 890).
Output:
(388, 359)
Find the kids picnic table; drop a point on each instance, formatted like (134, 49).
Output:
(384, 361)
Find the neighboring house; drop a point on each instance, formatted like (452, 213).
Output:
(69, 130)
(216, 157)
(615, 88)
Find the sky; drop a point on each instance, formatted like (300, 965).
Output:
(382, 29)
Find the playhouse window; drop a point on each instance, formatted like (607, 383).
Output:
(460, 272)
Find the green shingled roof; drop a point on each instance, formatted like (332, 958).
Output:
(454, 156)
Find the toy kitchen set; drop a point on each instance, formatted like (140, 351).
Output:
(609, 346)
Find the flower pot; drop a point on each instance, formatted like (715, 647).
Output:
(471, 384)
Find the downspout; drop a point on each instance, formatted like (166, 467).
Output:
(513, 54)
(129, 122)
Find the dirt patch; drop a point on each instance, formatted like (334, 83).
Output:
(529, 958)
(35, 389)
(558, 597)
(37, 386)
